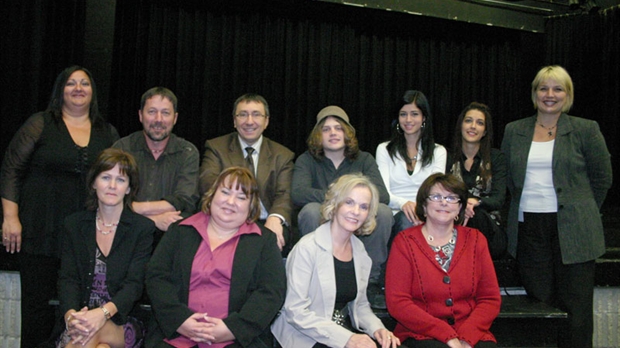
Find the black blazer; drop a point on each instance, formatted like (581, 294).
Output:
(126, 262)
(257, 287)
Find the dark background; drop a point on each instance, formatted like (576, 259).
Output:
(300, 55)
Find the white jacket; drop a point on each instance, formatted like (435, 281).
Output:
(306, 316)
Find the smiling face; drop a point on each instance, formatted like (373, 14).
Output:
(550, 97)
(473, 127)
(230, 206)
(78, 91)
(410, 119)
(441, 213)
(250, 121)
(333, 135)
(111, 186)
(158, 117)
(353, 211)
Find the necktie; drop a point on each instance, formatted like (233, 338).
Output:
(250, 160)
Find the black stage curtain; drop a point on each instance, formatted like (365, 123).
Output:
(588, 46)
(303, 55)
(38, 38)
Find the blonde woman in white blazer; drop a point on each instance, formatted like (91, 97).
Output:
(324, 258)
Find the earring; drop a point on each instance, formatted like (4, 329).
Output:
(423, 124)
(398, 129)
(456, 218)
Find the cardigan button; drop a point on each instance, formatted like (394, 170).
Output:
(449, 302)
(446, 279)
(450, 321)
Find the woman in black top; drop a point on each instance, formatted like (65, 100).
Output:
(483, 169)
(42, 181)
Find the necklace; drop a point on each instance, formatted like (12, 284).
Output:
(549, 129)
(451, 241)
(111, 227)
(157, 151)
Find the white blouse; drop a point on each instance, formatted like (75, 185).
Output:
(538, 194)
(401, 186)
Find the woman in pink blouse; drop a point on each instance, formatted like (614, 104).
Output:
(216, 278)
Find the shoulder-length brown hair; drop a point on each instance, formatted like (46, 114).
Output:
(315, 140)
(242, 179)
(106, 160)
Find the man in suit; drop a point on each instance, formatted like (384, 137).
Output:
(271, 163)
(168, 164)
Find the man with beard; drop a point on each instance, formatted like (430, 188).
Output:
(168, 164)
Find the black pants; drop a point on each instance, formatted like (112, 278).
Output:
(39, 276)
(287, 233)
(544, 276)
(412, 343)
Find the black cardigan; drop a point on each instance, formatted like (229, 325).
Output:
(257, 288)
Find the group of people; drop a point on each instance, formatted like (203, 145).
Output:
(97, 220)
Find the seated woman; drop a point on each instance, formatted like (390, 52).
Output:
(327, 272)
(483, 170)
(409, 157)
(440, 281)
(104, 255)
(217, 279)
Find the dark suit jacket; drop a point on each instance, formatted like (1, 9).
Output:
(274, 170)
(126, 262)
(257, 287)
(582, 175)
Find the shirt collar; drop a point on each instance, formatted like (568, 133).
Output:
(256, 145)
(200, 221)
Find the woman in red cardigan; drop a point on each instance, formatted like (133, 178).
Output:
(440, 283)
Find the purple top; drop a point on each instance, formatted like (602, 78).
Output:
(209, 284)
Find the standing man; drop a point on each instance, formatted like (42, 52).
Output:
(333, 152)
(168, 164)
(271, 163)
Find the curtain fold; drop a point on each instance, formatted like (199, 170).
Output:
(303, 56)
(39, 39)
(588, 46)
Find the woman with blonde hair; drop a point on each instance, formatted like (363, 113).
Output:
(559, 171)
(328, 272)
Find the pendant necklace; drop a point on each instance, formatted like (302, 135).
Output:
(549, 129)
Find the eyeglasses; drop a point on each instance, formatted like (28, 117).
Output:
(439, 198)
(245, 115)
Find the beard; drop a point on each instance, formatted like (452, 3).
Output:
(156, 133)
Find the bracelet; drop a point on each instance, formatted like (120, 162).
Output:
(106, 313)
